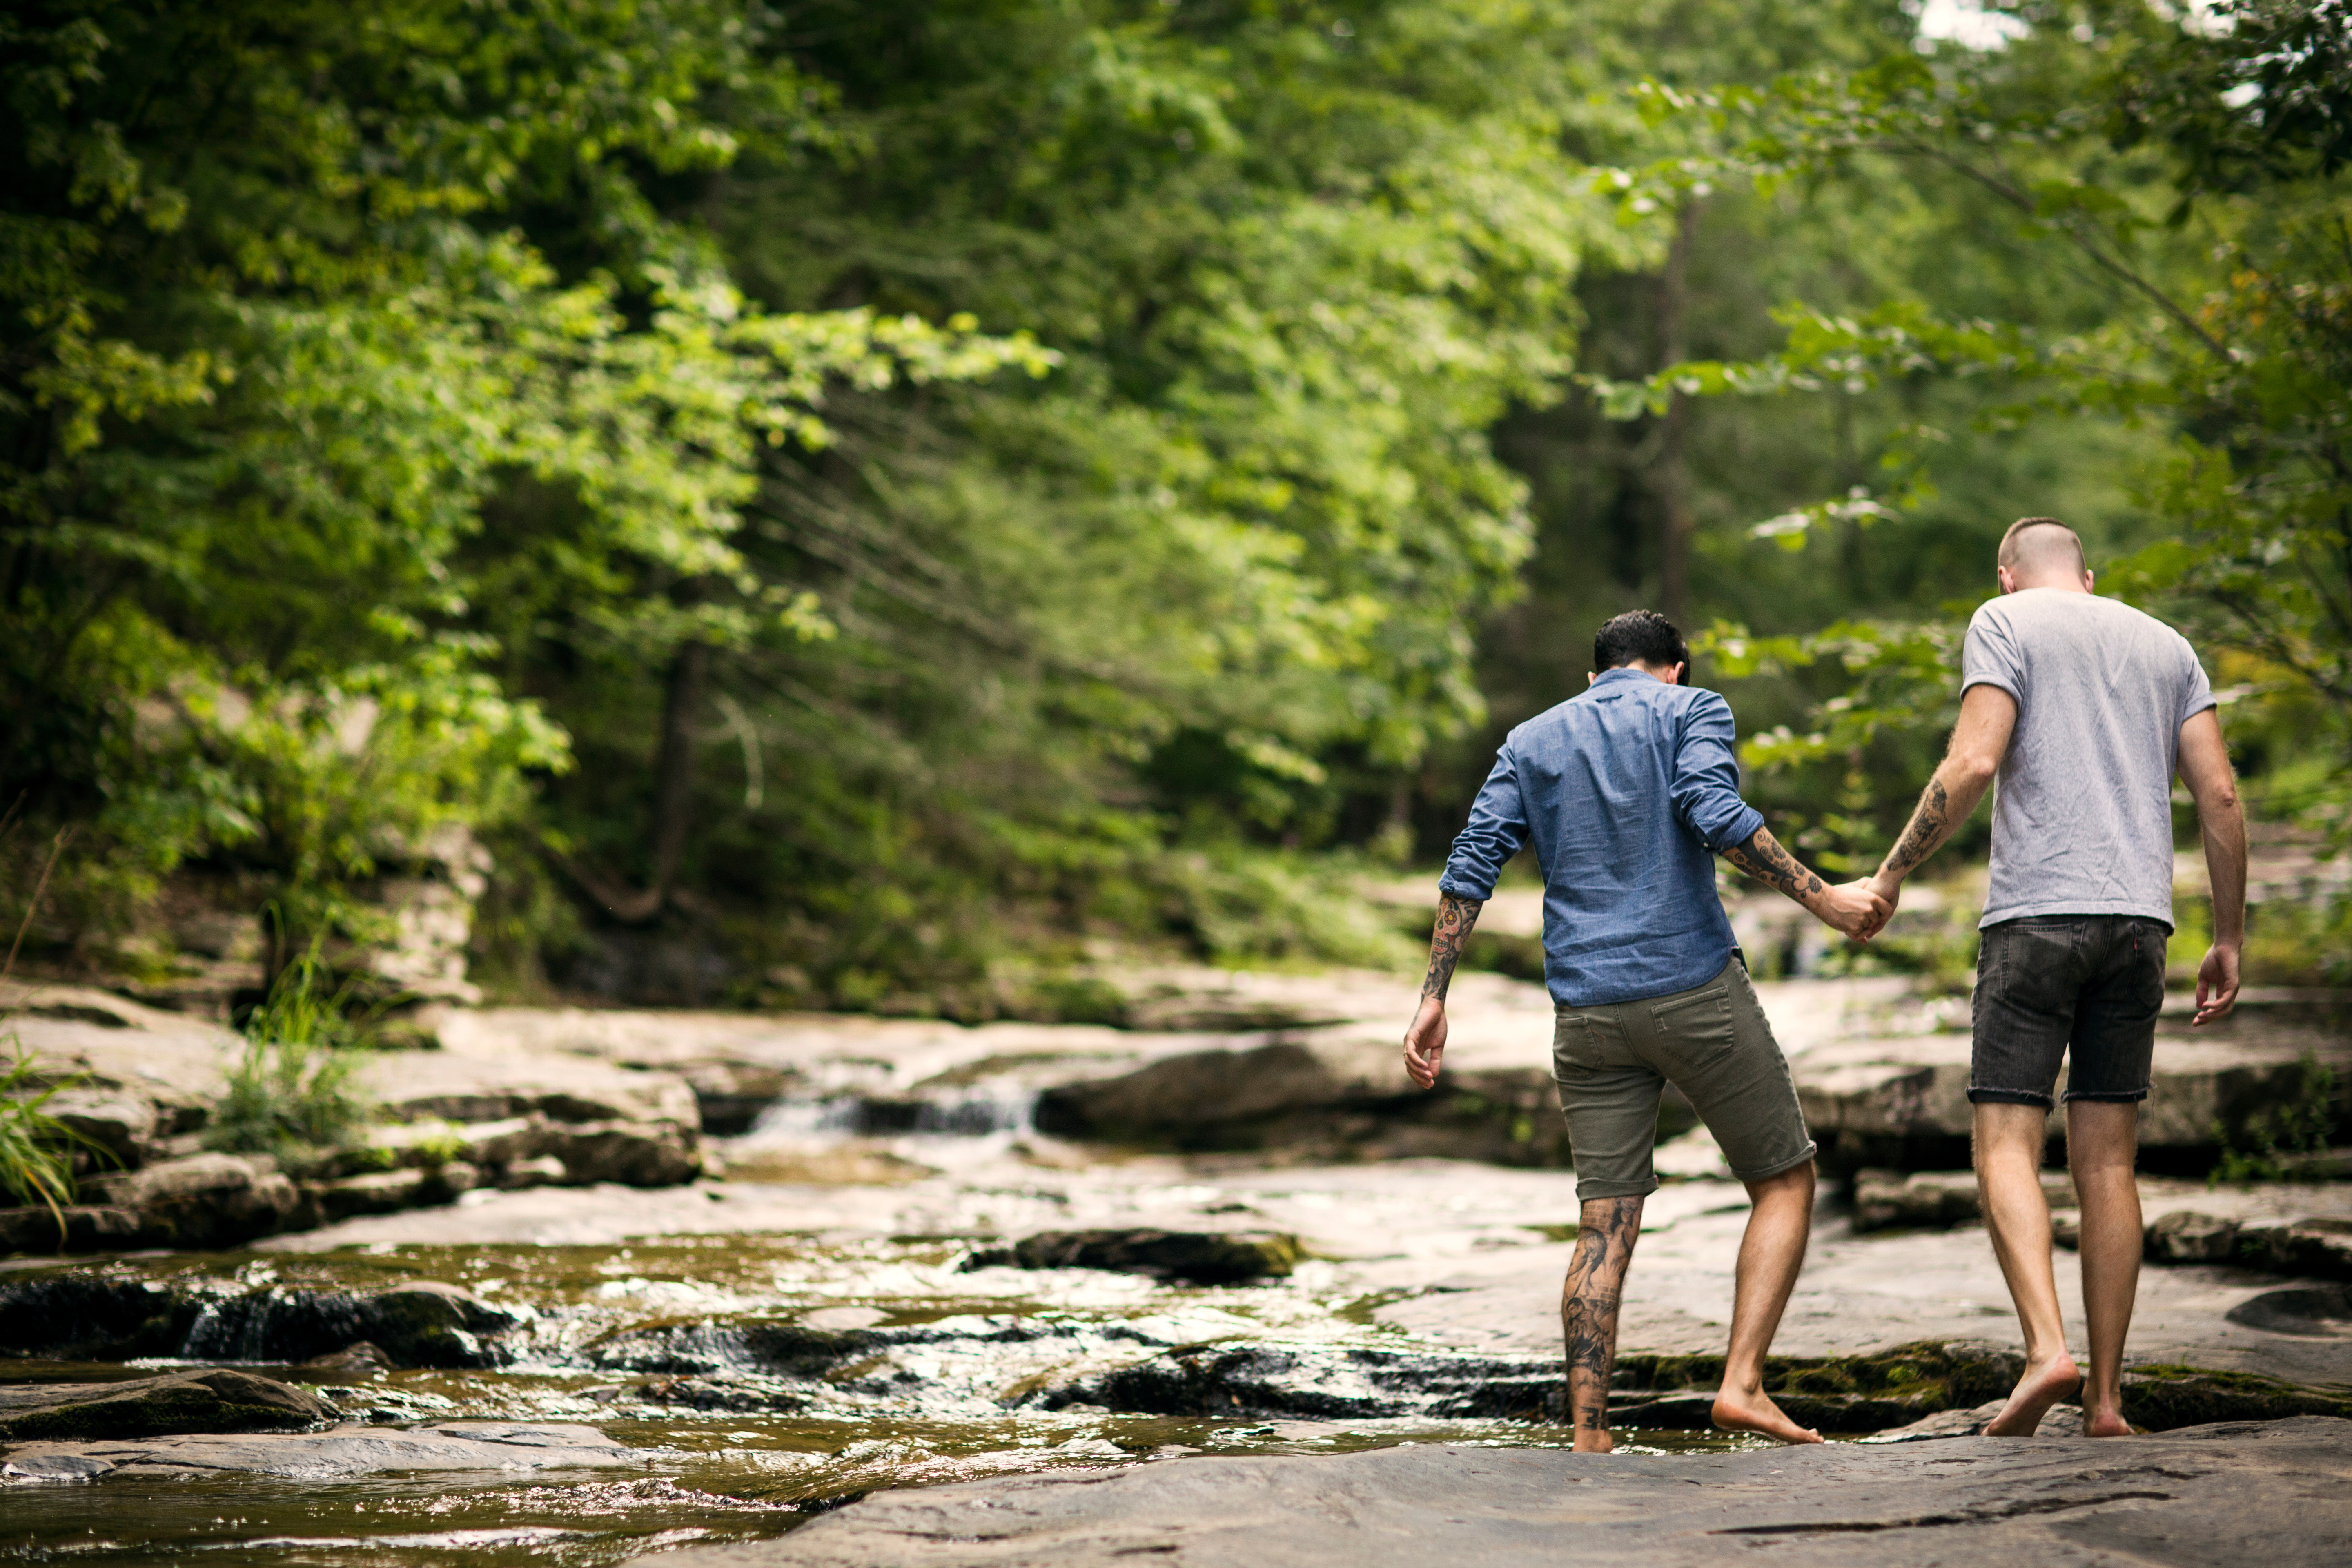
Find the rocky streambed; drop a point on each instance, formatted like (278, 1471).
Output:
(911, 1254)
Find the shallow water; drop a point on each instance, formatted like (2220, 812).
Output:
(943, 1404)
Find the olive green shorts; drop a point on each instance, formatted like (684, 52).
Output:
(1714, 1044)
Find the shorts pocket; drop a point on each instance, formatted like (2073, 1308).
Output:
(1584, 1042)
(1696, 1030)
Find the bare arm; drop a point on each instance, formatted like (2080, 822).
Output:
(1979, 741)
(1852, 907)
(2221, 821)
(1424, 1042)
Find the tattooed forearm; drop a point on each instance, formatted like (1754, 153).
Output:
(1931, 824)
(1455, 917)
(1763, 859)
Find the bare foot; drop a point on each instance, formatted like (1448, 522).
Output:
(1738, 1410)
(2040, 1387)
(1590, 1440)
(2106, 1423)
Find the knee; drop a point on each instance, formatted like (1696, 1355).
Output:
(1794, 1183)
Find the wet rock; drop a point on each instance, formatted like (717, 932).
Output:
(736, 1394)
(1259, 1381)
(217, 1401)
(423, 1323)
(706, 1347)
(81, 1316)
(2215, 1495)
(2163, 1398)
(343, 1451)
(2185, 1236)
(2318, 1312)
(200, 1200)
(1933, 1200)
(1201, 1258)
(731, 1095)
(75, 1228)
(358, 1359)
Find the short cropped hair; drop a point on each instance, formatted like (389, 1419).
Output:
(1639, 637)
(2038, 544)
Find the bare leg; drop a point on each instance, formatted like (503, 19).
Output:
(1771, 1253)
(2101, 1137)
(2009, 1140)
(1606, 1231)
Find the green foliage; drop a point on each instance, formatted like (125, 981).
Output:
(36, 1150)
(2254, 1147)
(291, 1093)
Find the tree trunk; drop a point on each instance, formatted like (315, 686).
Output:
(1669, 471)
(673, 793)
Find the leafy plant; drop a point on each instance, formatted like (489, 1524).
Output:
(292, 1094)
(36, 1150)
(2256, 1148)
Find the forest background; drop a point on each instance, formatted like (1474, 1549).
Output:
(870, 504)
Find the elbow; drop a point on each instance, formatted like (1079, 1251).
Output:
(1975, 769)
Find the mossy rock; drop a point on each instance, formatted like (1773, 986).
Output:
(218, 1401)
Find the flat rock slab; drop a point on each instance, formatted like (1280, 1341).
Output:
(2274, 1494)
(341, 1452)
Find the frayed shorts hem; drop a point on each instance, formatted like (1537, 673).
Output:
(2009, 1096)
(1768, 1172)
(1594, 1192)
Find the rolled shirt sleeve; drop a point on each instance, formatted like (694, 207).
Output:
(2196, 690)
(1706, 778)
(1497, 827)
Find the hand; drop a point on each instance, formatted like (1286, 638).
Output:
(1856, 908)
(2216, 979)
(1424, 1043)
(1887, 888)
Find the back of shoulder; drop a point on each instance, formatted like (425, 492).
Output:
(2051, 619)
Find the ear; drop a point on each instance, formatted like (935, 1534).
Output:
(1679, 674)
(2007, 579)
(2087, 575)
(1590, 677)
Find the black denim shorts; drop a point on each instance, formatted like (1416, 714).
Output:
(2047, 983)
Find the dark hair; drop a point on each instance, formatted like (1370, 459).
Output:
(1639, 637)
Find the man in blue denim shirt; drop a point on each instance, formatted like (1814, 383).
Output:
(1628, 792)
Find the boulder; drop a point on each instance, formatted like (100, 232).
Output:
(215, 1401)
(1934, 1200)
(1896, 1100)
(200, 1200)
(731, 1095)
(423, 1323)
(1199, 1258)
(1205, 1097)
(634, 1154)
(75, 1228)
(123, 1125)
(389, 1191)
(360, 1358)
(73, 1315)
(2316, 1246)
(337, 1454)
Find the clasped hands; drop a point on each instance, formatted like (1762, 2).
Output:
(1859, 909)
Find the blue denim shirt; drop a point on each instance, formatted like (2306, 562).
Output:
(1628, 790)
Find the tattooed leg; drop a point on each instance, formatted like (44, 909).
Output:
(1456, 917)
(1606, 1231)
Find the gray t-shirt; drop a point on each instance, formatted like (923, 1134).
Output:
(2082, 821)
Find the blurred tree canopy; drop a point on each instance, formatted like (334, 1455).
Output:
(869, 489)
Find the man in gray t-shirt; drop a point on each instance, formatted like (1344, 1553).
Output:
(2085, 710)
